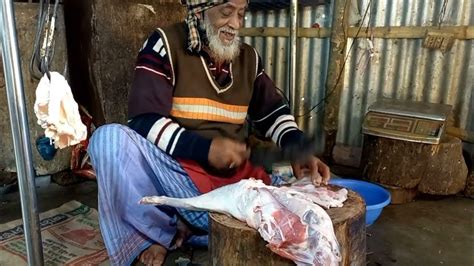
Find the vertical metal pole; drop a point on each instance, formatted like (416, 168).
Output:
(293, 41)
(20, 133)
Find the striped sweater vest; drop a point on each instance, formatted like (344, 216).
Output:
(200, 104)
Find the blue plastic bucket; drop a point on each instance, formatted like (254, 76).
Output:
(375, 196)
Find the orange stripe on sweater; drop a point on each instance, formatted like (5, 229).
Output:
(205, 116)
(208, 102)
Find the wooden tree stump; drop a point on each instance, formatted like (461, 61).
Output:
(469, 191)
(446, 172)
(434, 169)
(395, 162)
(401, 195)
(234, 243)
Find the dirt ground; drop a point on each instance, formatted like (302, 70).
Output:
(425, 232)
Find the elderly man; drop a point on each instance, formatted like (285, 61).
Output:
(194, 88)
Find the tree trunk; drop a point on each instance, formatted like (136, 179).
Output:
(395, 162)
(433, 169)
(234, 243)
(105, 38)
(446, 171)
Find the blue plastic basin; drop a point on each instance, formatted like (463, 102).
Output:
(375, 196)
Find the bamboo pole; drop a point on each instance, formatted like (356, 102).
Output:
(409, 32)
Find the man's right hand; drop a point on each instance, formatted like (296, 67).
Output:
(226, 153)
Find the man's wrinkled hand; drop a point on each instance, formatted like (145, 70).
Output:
(226, 153)
(314, 168)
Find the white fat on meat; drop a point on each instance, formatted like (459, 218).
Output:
(322, 196)
(292, 223)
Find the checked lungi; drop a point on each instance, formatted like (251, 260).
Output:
(129, 167)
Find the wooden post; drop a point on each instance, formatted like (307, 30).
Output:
(234, 243)
(335, 77)
(396, 32)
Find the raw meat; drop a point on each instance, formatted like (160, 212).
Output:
(322, 196)
(286, 217)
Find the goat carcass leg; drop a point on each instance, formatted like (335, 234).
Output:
(226, 199)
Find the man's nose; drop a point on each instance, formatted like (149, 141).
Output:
(235, 22)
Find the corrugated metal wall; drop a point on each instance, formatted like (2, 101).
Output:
(312, 58)
(402, 68)
(399, 68)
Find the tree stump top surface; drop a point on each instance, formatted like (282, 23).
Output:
(353, 208)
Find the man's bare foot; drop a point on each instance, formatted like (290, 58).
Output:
(154, 255)
(182, 234)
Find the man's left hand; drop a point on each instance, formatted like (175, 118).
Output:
(314, 168)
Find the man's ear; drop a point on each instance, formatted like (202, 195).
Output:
(199, 15)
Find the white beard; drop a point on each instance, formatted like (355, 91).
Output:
(221, 52)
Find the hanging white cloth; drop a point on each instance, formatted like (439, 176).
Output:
(58, 112)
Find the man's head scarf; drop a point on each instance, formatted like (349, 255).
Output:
(194, 7)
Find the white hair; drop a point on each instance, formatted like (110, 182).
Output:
(222, 52)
